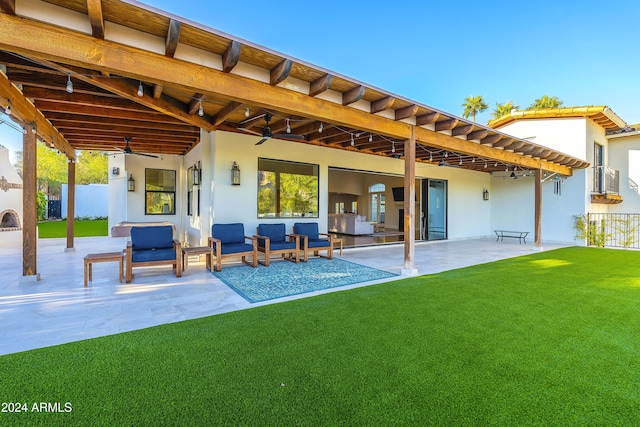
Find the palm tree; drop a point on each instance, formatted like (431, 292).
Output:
(473, 105)
(503, 109)
(545, 102)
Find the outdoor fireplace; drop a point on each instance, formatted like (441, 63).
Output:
(9, 221)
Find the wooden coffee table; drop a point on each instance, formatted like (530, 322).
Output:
(90, 259)
(197, 250)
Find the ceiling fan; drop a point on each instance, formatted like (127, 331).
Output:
(267, 134)
(127, 149)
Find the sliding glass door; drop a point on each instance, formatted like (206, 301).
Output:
(434, 209)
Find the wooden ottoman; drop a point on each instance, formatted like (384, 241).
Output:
(103, 257)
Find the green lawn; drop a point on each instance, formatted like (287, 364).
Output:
(552, 338)
(83, 228)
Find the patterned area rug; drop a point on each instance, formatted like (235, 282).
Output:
(284, 278)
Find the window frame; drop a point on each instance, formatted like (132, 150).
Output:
(148, 192)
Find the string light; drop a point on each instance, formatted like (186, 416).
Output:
(352, 141)
(288, 126)
(485, 164)
(460, 162)
(69, 84)
(320, 128)
(393, 146)
(430, 156)
(7, 110)
(246, 112)
(140, 90)
(370, 138)
(200, 110)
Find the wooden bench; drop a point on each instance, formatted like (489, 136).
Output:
(520, 235)
(103, 257)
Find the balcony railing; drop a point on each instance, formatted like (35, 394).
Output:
(606, 180)
(633, 186)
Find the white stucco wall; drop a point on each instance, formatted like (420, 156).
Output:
(91, 200)
(619, 158)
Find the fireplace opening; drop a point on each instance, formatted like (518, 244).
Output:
(10, 221)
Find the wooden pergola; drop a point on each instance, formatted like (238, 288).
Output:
(140, 73)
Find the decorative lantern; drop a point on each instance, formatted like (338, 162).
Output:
(131, 184)
(485, 194)
(235, 174)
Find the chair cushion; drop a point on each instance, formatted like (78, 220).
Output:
(309, 229)
(149, 255)
(318, 243)
(234, 248)
(275, 232)
(277, 246)
(160, 237)
(228, 233)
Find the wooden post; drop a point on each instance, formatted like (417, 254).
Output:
(409, 206)
(537, 222)
(71, 210)
(29, 205)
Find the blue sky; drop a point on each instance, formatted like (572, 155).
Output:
(438, 53)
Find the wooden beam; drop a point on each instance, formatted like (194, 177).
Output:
(490, 139)
(226, 111)
(427, 119)
(69, 47)
(194, 104)
(94, 9)
(320, 85)
(280, 72)
(477, 134)
(503, 142)
(8, 6)
(537, 214)
(353, 95)
(173, 37)
(157, 91)
(461, 130)
(29, 208)
(71, 203)
(231, 56)
(382, 104)
(446, 124)
(26, 113)
(406, 112)
(409, 206)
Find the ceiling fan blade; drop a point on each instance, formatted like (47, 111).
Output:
(145, 154)
(250, 131)
(262, 141)
(252, 119)
(288, 136)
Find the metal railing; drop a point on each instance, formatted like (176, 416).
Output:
(614, 230)
(633, 186)
(606, 180)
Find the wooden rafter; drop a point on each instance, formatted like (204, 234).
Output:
(446, 124)
(94, 9)
(461, 130)
(382, 104)
(226, 111)
(280, 72)
(172, 39)
(478, 134)
(406, 112)
(194, 104)
(353, 95)
(231, 56)
(8, 6)
(320, 85)
(427, 119)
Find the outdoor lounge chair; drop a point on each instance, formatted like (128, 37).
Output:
(150, 246)
(273, 240)
(229, 240)
(311, 241)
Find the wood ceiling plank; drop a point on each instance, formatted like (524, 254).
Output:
(8, 6)
(231, 56)
(226, 111)
(172, 39)
(94, 8)
(320, 85)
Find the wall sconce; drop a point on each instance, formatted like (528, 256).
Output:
(485, 194)
(235, 174)
(115, 171)
(196, 171)
(131, 184)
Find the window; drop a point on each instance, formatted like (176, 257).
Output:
(160, 192)
(376, 192)
(190, 191)
(287, 189)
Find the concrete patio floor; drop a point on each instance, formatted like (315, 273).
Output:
(58, 309)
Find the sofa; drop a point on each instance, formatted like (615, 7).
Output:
(349, 224)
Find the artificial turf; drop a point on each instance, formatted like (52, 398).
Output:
(81, 228)
(551, 338)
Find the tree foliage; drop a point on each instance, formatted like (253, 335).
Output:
(503, 109)
(545, 101)
(92, 168)
(473, 105)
